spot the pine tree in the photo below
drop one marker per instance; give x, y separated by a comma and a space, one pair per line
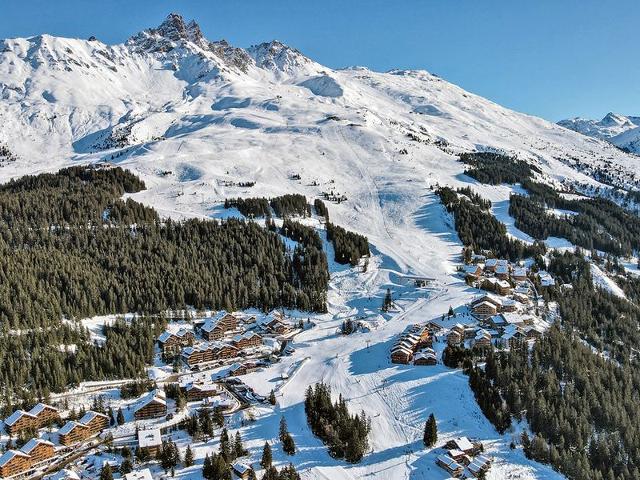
282, 430
272, 397
267, 457
387, 303
252, 474
225, 448
238, 447
120, 417
288, 445
106, 473
430, 431
126, 466
188, 457
289, 473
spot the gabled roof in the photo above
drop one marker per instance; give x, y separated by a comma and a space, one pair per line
155, 396
149, 438
449, 462
241, 468
164, 336
90, 415
38, 408
33, 443
139, 475
463, 443
17, 415
10, 455
69, 426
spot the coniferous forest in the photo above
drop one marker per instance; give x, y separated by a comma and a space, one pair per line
71, 248
345, 434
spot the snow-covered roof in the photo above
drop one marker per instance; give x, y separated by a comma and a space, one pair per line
463, 443
139, 475
149, 438
480, 334
63, 475
33, 443
399, 348
449, 462
68, 427
472, 269
164, 336
38, 408
90, 415
9, 455
155, 396
241, 468
15, 416
503, 284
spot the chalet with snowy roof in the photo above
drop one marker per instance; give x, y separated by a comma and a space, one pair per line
217, 327
14, 463
72, 433
519, 274
200, 391
150, 441
459, 456
94, 421
509, 305
490, 264
465, 445
450, 465
503, 287
18, 421
533, 332
485, 309
425, 357
242, 470
246, 340
479, 465
40, 451
454, 338
482, 339
546, 280
502, 271
519, 297
172, 343
472, 271
519, 319
144, 474
511, 336
153, 406
401, 354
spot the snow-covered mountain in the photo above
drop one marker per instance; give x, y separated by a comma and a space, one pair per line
622, 131
198, 119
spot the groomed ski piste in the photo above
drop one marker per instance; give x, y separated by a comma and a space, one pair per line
191, 123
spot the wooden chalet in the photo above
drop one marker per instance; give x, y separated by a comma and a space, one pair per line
242, 470
479, 465
72, 433
485, 309
472, 271
425, 357
400, 354
502, 271
246, 340
503, 287
150, 441
482, 339
19, 421
94, 421
464, 445
41, 415
172, 343
200, 391
519, 274
217, 327
39, 450
454, 338
13, 463
153, 406
450, 465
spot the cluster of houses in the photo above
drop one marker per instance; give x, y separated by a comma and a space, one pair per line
463, 453
414, 345
221, 337
38, 452
33, 454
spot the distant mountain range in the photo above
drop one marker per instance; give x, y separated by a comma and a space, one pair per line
621, 130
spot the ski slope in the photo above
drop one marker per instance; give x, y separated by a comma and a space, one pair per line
191, 117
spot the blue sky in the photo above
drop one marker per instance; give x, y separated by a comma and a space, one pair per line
552, 58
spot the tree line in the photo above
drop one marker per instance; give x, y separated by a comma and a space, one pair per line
346, 435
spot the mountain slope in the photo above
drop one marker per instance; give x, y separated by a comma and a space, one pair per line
195, 118
622, 131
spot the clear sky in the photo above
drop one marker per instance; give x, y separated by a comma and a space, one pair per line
552, 58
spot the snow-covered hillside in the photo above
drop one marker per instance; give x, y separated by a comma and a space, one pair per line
622, 131
194, 118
